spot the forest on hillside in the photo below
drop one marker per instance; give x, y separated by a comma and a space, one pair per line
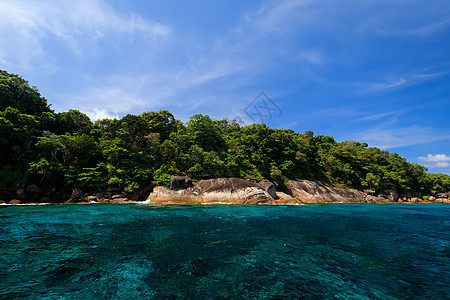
61, 151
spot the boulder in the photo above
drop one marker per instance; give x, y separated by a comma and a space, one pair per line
232, 191
34, 189
369, 192
73, 200
378, 200
270, 188
415, 200
77, 193
308, 191
119, 200
390, 194
140, 194
21, 194
432, 198
283, 198
92, 199
118, 196
219, 190
442, 195
180, 182
15, 201
440, 200
163, 194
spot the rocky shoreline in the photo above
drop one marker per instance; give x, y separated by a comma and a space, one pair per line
242, 191
227, 191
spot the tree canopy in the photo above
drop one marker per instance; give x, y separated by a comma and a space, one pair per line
66, 150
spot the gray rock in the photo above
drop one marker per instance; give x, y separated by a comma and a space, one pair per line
392, 194
308, 191
375, 199
269, 187
34, 189
369, 192
21, 193
415, 200
180, 182
77, 193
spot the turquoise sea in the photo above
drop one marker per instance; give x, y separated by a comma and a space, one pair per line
331, 251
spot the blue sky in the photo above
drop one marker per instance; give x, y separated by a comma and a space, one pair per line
370, 71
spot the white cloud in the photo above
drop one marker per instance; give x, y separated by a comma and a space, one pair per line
98, 114
374, 117
436, 160
443, 164
389, 85
387, 138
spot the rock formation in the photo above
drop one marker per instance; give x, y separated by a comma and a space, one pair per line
307, 191
220, 190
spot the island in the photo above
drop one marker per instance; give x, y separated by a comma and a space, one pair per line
64, 157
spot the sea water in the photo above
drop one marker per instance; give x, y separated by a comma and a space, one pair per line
332, 251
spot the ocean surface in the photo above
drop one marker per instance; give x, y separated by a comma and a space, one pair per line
123, 251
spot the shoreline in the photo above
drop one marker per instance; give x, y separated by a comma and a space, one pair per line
218, 203
234, 191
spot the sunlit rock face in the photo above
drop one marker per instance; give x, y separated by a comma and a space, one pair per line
242, 191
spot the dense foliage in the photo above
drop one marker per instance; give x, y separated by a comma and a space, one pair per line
66, 150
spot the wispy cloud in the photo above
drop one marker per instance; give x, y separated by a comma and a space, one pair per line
273, 15
380, 26
379, 116
402, 81
77, 24
388, 138
436, 160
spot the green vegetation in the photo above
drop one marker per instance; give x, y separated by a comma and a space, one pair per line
66, 150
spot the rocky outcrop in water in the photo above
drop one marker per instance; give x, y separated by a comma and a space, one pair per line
242, 191
220, 190
307, 191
